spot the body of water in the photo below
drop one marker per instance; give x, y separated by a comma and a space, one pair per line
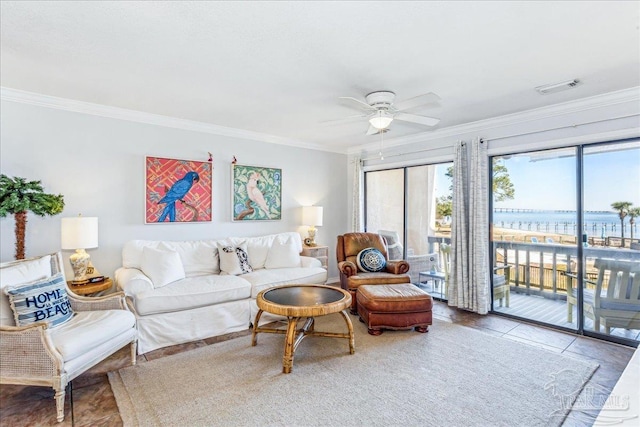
596, 224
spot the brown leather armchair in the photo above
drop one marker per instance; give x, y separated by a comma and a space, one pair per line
348, 248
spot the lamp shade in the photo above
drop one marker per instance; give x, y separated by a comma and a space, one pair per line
312, 215
79, 232
381, 120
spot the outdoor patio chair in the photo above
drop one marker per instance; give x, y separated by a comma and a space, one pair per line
501, 286
54, 353
445, 253
613, 299
417, 263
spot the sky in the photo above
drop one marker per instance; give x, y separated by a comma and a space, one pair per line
550, 183
547, 180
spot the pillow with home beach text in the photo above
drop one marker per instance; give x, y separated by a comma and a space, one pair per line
43, 300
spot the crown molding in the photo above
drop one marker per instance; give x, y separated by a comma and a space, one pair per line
40, 100
580, 105
570, 107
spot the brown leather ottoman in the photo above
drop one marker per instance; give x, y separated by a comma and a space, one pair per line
400, 306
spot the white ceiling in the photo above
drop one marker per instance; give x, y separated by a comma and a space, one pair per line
278, 68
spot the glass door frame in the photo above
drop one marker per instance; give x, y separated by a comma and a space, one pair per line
405, 202
580, 329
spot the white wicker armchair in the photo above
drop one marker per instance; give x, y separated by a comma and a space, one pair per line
42, 356
418, 263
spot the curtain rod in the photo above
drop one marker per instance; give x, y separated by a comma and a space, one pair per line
507, 136
404, 154
561, 127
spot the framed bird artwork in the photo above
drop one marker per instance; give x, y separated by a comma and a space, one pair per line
178, 191
257, 193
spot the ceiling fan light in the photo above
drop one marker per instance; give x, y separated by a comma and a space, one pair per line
381, 121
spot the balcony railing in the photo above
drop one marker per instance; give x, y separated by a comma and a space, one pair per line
540, 268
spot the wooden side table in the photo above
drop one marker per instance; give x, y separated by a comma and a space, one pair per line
91, 288
318, 252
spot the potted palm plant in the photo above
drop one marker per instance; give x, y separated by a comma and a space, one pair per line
19, 196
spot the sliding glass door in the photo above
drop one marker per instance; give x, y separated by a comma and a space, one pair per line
611, 254
429, 226
566, 249
411, 207
535, 235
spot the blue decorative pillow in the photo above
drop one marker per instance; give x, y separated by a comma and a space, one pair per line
43, 300
371, 260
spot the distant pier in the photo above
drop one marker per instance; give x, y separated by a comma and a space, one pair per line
519, 210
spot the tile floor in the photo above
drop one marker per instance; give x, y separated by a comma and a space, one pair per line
92, 403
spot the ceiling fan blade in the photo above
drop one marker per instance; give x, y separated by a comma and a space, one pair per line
375, 131
427, 121
427, 98
361, 104
372, 130
345, 119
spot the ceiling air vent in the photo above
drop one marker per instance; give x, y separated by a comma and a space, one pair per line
557, 87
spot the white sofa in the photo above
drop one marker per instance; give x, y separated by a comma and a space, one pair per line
207, 302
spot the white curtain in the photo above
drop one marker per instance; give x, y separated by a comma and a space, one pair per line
469, 284
358, 196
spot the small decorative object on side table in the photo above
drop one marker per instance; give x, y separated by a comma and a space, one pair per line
318, 252
91, 288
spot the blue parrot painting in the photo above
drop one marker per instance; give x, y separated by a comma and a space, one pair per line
177, 192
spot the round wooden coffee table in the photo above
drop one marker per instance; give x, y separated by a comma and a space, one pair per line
296, 302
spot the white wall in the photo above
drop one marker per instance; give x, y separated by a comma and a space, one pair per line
97, 163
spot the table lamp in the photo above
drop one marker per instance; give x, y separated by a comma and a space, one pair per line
311, 216
80, 233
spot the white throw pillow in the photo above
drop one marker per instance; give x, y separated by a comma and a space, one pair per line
283, 255
199, 258
162, 267
258, 249
234, 259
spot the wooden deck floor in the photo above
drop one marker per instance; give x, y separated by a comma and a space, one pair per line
553, 312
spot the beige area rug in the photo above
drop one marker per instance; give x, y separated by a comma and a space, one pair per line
451, 376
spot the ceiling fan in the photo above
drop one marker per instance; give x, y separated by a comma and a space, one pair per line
380, 110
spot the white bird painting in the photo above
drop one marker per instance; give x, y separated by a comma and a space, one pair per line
255, 194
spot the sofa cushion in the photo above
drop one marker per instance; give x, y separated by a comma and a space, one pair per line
258, 249
199, 257
88, 329
191, 292
268, 278
17, 272
283, 254
234, 259
43, 300
162, 267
